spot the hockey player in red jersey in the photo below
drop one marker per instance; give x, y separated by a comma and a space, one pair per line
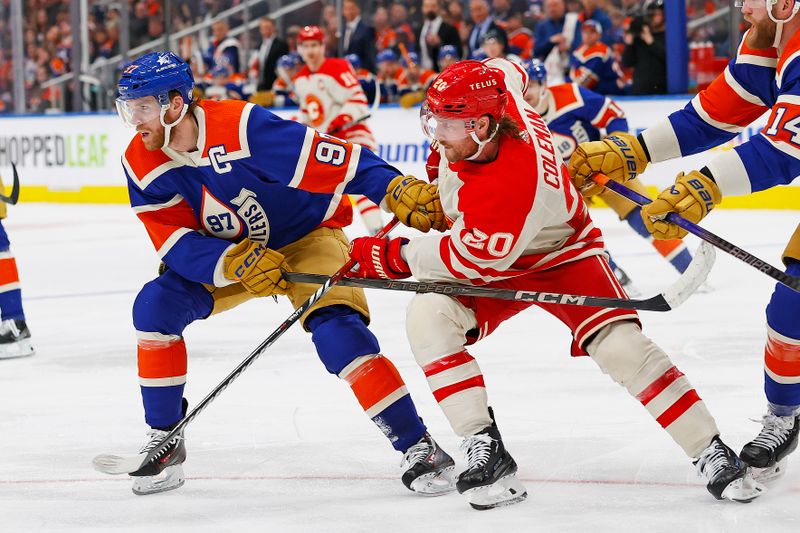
332, 101
231, 195
518, 222
763, 76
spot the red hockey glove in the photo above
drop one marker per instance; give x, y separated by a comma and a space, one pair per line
379, 258
338, 123
432, 165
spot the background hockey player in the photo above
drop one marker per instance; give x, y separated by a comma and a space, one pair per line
230, 194
15, 338
365, 78
764, 75
448, 55
332, 101
517, 222
576, 114
414, 80
389, 72
282, 92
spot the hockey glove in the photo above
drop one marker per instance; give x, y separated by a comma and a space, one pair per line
432, 164
692, 197
379, 257
338, 123
263, 98
416, 203
257, 267
619, 156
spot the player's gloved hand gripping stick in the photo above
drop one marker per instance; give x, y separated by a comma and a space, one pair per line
114, 464
792, 282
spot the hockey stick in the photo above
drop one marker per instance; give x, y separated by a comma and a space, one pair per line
115, 464
793, 282
349, 124
14, 196
671, 298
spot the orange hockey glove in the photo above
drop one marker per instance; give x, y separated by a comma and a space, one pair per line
257, 267
692, 197
416, 203
619, 156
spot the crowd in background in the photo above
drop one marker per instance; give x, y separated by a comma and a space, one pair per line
380, 36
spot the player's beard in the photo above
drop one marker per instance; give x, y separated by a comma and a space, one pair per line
761, 35
155, 140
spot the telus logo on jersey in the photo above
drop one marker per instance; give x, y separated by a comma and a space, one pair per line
253, 215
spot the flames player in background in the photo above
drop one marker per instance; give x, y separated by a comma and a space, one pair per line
230, 195
517, 222
332, 101
15, 338
576, 114
763, 76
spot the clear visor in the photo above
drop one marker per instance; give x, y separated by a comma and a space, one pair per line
749, 3
444, 129
138, 111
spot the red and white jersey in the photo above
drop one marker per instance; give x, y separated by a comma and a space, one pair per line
512, 216
331, 91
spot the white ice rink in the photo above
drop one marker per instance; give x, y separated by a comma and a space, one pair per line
287, 448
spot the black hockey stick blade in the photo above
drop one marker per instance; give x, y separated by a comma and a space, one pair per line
116, 464
671, 298
793, 282
14, 196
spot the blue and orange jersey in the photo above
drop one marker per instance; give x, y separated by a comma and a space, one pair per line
594, 67
754, 82
254, 175
576, 114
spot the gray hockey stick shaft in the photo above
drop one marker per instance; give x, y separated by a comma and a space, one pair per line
111, 464
666, 301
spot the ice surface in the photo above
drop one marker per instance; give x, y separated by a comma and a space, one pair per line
287, 448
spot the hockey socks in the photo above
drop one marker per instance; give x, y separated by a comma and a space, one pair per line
10, 292
673, 250
162, 377
349, 350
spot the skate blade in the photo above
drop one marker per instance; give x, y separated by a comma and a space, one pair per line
770, 474
114, 464
22, 348
435, 483
743, 490
170, 478
505, 491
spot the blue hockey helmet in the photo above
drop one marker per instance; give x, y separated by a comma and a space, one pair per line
536, 71
413, 57
386, 55
354, 60
156, 74
289, 60
448, 50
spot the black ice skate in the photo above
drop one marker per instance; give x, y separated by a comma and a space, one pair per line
428, 468
490, 478
166, 472
726, 474
767, 452
15, 339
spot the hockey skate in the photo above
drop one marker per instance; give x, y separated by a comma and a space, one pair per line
490, 478
429, 470
15, 339
727, 476
767, 453
165, 473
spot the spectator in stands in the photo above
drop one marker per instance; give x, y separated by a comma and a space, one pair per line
482, 22
646, 51
593, 11
493, 45
553, 39
358, 38
520, 38
398, 16
434, 34
272, 47
139, 24
223, 50
291, 37
385, 36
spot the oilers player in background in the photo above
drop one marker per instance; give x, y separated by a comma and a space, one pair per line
15, 338
365, 78
575, 114
230, 195
448, 54
763, 76
332, 101
518, 223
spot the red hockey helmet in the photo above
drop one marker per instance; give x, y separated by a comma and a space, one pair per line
461, 94
310, 33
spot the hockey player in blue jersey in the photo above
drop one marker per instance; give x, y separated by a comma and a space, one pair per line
228, 207
15, 338
576, 114
763, 76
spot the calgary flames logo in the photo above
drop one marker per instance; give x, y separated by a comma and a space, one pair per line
315, 110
